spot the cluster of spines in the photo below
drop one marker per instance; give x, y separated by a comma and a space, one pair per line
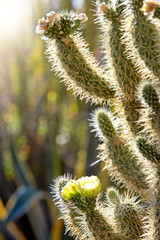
130, 27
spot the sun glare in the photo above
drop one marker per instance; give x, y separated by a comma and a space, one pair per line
12, 15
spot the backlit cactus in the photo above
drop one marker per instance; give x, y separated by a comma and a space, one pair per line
127, 87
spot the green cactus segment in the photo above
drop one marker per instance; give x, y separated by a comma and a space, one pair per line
105, 125
127, 214
128, 217
149, 117
127, 75
146, 36
99, 227
125, 164
83, 75
151, 154
113, 196
151, 97
72, 60
75, 224
96, 222
148, 150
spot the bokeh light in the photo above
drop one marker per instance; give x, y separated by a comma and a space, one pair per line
13, 14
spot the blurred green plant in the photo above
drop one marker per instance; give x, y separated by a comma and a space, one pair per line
43, 129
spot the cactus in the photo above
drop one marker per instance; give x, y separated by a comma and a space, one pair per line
126, 89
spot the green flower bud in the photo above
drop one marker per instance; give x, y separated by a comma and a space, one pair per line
113, 196
70, 190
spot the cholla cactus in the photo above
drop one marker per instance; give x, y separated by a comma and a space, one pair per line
127, 87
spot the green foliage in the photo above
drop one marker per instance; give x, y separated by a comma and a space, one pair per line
128, 85
26, 200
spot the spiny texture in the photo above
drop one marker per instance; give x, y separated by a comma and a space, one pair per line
127, 213
128, 85
148, 150
71, 58
81, 198
146, 34
127, 72
150, 113
122, 163
151, 97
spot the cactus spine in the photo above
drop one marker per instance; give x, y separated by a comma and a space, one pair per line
128, 85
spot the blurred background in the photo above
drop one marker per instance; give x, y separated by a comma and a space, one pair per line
44, 130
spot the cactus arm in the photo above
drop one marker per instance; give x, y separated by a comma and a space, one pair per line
71, 58
86, 77
125, 75
150, 119
128, 215
150, 96
148, 150
146, 37
149, 114
120, 161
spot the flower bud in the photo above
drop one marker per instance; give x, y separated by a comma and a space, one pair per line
89, 186
70, 190
113, 196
